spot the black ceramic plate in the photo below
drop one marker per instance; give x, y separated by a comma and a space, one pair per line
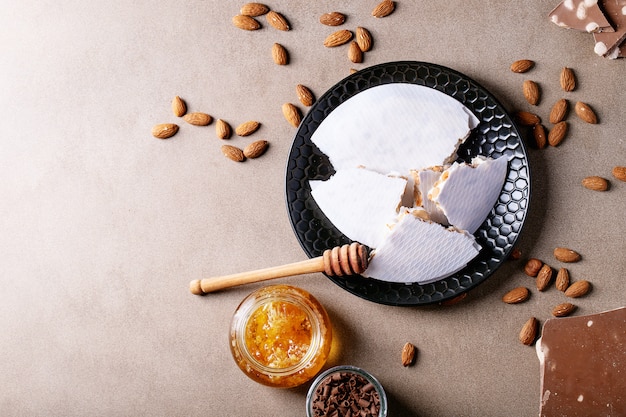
496, 135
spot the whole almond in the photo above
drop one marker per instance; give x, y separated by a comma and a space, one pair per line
595, 183
408, 354
578, 289
528, 334
526, 118
254, 9
619, 172
363, 38
337, 38
233, 153
454, 300
532, 267
198, 119
585, 113
566, 255
332, 19
292, 114
277, 20
531, 92
539, 133
563, 309
567, 79
279, 54
562, 279
246, 22
559, 111
384, 8
305, 95
247, 128
354, 53
558, 133
255, 149
522, 65
179, 108
544, 277
516, 295
164, 130
222, 129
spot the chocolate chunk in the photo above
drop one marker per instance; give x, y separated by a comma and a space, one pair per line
344, 394
606, 41
580, 15
583, 365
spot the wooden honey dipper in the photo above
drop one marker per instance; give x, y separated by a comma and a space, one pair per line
341, 260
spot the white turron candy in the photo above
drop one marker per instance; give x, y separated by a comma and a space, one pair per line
421, 251
360, 203
394, 128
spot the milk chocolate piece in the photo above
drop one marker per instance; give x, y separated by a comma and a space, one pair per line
606, 41
583, 15
583, 365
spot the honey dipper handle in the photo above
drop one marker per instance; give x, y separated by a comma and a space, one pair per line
207, 285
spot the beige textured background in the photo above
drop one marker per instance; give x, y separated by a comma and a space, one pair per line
102, 226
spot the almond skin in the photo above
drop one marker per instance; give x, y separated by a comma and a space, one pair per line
539, 133
408, 354
247, 128
337, 38
544, 277
179, 108
558, 133
222, 129
567, 79
292, 114
563, 309
254, 9
198, 119
354, 53
595, 183
522, 65
516, 295
255, 149
164, 130
305, 95
532, 267
526, 118
246, 22
363, 38
585, 113
528, 334
277, 21
279, 54
619, 172
559, 111
566, 255
383, 9
562, 279
233, 153
578, 289
332, 19
531, 92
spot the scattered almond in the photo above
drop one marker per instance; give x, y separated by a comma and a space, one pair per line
563, 309
222, 129
255, 149
179, 108
544, 277
354, 53
526, 118
408, 354
522, 65
233, 153
562, 279
566, 255
454, 300
531, 92
337, 38
164, 130
363, 38
292, 114
384, 8
516, 295
539, 133
558, 133
528, 334
567, 79
532, 267
332, 19
559, 111
247, 128
585, 113
254, 9
277, 20
279, 54
305, 95
198, 119
246, 22
595, 183
619, 172
578, 289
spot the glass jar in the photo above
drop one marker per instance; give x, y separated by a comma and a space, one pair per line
344, 388
280, 336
